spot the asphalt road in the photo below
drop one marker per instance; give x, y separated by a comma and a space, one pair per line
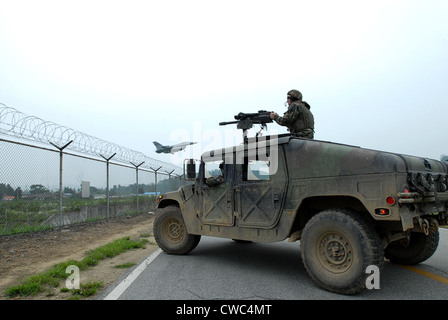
223, 269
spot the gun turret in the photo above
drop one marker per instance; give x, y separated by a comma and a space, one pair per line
246, 121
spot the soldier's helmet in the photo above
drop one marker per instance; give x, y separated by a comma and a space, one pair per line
295, 94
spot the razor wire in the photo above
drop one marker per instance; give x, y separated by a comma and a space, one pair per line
19, 125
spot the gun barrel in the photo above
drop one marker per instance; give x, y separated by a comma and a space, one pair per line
247, 120
228, 122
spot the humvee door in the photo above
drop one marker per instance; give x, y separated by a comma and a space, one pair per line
260, 186
217, 194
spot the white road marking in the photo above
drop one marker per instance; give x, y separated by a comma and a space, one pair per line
118, 291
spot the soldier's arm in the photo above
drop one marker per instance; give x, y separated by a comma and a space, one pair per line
212, 181
285, 120
289, 117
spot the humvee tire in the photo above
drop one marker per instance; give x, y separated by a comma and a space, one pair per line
171, 233
419, 248
337, 246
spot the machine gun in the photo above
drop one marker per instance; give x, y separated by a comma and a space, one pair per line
246, 121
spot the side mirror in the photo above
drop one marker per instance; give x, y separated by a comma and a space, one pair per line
191, 169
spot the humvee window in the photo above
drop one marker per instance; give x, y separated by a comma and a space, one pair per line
211, 169
257, 170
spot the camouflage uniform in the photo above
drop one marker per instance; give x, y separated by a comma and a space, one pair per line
298, 118
212, 181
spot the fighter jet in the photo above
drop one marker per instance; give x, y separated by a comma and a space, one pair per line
172, 149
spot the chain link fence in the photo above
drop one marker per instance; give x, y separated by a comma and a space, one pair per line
50, 186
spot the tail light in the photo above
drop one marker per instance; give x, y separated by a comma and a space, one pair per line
390, 200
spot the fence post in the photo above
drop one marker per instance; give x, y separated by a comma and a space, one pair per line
169, 179
136, 179
107, 178
60, 178
155, 178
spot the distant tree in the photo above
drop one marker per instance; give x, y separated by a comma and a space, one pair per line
38, 189
69, 190
6, 190
18, 193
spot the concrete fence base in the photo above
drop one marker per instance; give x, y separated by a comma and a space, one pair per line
94, 213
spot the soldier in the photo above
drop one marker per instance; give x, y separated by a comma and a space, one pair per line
298, 118
214, 181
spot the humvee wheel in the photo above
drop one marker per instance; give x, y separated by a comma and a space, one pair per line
419, 248
337, 246
171, 233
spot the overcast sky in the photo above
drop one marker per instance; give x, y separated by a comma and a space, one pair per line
130, 72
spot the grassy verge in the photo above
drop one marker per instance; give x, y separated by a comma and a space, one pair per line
52, 277
84, 291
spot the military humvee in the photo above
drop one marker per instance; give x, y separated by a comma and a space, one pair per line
350, 207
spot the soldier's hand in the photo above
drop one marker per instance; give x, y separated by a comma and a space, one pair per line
272, 115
